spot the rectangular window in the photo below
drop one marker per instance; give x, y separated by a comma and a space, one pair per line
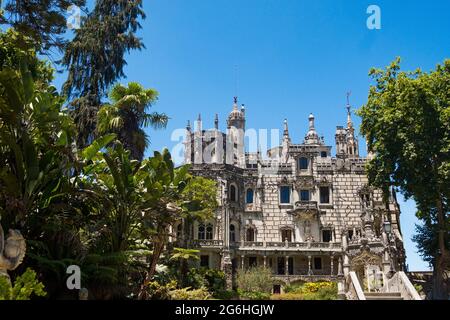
318, 263
304, 195
204, 261
286, 235
326, 235
285, 194
323, 154
324, 195
252, 262
303, 163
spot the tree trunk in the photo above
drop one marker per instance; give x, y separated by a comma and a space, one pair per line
157, 250
441, 261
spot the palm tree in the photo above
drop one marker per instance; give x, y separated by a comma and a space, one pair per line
127, 117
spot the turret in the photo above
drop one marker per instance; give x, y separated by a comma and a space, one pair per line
236, 135
312, 137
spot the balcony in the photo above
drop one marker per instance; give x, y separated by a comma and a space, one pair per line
290, 246
208, 243
305, 205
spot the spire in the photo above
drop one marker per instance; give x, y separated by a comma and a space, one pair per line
311, 121
286, 130
349, 114
199, 123
188, 126
312, 137
216, 122
235, 103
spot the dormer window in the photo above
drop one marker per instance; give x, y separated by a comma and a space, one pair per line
303, 163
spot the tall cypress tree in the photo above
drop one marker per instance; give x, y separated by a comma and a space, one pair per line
95, 58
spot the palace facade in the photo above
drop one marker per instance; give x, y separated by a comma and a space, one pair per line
303, 212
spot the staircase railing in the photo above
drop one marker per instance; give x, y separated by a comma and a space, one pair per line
354, 289
400, 283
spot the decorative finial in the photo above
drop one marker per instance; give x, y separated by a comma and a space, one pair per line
188, 126
199, 117
216, 122
235, 100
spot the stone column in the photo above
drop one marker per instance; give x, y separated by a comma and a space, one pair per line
286, 271
340, 273
309, 266
265, 261
332, 264
242, 261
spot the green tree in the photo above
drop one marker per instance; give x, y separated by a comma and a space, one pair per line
168, 202
43, 21
406, 122
127, 116
95, 58
255, 283
183, 257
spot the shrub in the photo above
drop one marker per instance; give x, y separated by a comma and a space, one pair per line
255, 283
189, 294
213, 280
253, 295
287, 296
158, 291
320, 291
24, 287
226, 295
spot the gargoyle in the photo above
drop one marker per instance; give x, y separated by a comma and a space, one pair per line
12, 251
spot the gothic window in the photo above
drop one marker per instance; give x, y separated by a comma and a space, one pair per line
318, 263
285, 194
304, 195
209, 231
232, 233
324, 194
303, 163
326, 235
250, 234
286, 235
233, 193
323, 154
249, 197
204, 261
201, 232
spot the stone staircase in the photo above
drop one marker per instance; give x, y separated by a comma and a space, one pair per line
383, 296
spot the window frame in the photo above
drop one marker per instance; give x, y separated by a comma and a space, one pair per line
328, 196
301, 194
289, 188
301, 163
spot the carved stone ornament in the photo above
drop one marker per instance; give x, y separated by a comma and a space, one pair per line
12, 251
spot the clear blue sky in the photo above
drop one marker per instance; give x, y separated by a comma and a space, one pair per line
293, 56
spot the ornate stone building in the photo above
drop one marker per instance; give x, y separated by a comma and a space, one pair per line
302, 212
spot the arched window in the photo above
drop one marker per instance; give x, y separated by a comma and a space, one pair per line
303, 163
251, 234
233, 193
209, 231
232, 233
249, 197
201, 231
